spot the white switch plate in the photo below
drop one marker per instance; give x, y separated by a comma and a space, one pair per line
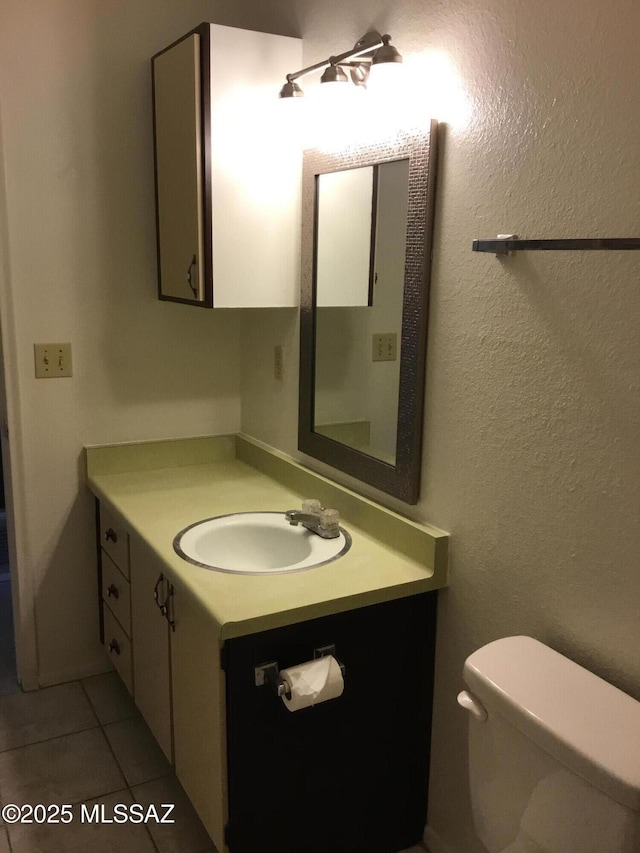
52, 360
384, 347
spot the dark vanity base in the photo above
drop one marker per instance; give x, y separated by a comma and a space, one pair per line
349, 774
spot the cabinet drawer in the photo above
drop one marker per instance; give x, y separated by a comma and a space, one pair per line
116, 592
118, 646
114, 540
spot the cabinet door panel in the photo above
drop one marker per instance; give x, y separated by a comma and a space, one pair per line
178, 129
198, 713
360, 761
151, 655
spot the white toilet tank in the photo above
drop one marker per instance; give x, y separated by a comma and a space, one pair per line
554, 753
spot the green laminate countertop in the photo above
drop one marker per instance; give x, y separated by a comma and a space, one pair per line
159, 488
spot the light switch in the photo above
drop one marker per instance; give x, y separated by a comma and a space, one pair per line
52, 360
385, 347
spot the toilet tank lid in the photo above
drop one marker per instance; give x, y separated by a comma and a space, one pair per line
581, 720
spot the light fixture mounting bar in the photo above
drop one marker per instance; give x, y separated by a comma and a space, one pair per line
369, 42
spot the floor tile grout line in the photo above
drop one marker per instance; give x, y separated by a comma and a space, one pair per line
118, 790
121, 769
146, 826
72, 802
96, 725
154, 779
128, 785
49, 739
7, 836
115, 757
121, 787
88, 698
129, 716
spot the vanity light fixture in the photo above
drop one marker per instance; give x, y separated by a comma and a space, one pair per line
372, 52
334, 74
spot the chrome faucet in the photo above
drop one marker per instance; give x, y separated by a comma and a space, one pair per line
317, 519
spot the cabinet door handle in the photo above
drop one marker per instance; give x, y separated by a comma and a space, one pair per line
112, 591
190, 270
164, 599
114, 647
168, 612
162, 604
110, 534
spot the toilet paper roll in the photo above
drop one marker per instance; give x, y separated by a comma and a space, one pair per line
312, 682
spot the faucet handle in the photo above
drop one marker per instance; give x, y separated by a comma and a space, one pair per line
311, 505
329, 519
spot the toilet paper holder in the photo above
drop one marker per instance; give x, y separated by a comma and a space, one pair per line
269, 673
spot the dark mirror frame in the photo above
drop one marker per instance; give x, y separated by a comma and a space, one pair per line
402, 479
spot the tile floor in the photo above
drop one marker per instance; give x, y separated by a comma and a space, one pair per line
85, 744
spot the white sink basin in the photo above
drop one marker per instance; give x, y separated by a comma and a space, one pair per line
257, 543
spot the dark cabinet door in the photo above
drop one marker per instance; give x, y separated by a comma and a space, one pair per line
346, 775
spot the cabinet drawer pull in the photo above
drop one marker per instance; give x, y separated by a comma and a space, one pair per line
114, 647
112, 591
111, 535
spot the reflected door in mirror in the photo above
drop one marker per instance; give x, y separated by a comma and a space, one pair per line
361, 227
345, 237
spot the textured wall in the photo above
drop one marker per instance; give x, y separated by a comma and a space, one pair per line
531, 458
531, 455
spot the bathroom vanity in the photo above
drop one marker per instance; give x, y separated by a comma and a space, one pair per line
349, 773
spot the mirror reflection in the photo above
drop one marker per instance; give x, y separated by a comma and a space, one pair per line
367, 225
361, 234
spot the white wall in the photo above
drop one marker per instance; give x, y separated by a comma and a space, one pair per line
343, 365
531, 455
75, 97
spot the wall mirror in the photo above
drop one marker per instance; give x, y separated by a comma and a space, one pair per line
367, 221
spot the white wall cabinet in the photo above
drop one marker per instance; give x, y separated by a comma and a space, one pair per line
227, 170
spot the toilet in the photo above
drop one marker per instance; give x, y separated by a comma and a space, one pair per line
554, 753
